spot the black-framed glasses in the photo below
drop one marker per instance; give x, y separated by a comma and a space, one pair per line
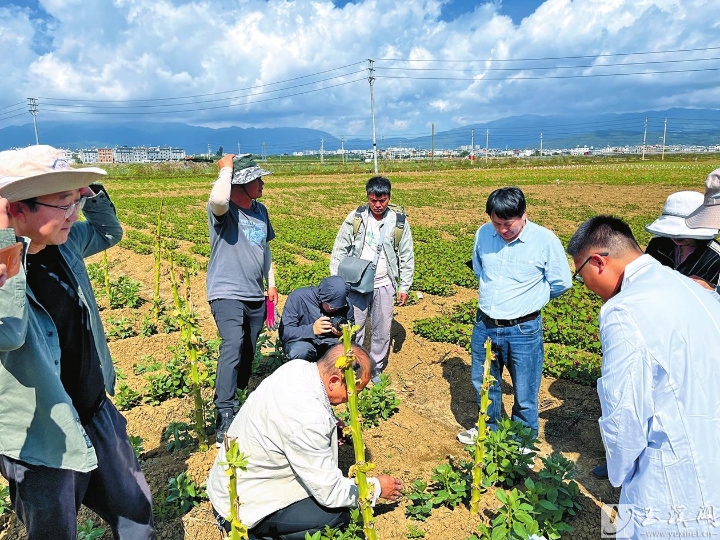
69, 209
576, 276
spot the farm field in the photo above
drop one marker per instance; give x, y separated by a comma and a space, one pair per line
429, 364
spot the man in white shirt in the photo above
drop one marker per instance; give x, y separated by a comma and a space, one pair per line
288, 431
660, 335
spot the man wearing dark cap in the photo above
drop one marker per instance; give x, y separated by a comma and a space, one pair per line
311, 319
238, 276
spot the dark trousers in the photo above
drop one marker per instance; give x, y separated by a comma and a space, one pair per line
239, 324
47, 500
292, 522
305, 350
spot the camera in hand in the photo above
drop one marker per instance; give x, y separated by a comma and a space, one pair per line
337, 321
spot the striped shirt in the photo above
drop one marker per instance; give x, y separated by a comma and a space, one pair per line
704, 262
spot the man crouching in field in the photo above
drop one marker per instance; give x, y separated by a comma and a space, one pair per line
62, 442
660, 335
288, 432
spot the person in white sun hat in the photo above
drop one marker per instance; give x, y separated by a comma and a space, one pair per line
62, 442
693, 252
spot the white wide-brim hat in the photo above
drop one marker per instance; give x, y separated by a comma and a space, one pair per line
671, 223
708, 215
41, 170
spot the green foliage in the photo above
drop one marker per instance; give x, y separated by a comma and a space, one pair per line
413, 531
421, 505
120, 328
375, 403
124, 292
268, 354
148, 327
147, 364
180, 495
137, 443
178, 436
88, 531
450, 486
126, 398
172, 382
505, 462
5, 505
95, 273
570, 330
354, 530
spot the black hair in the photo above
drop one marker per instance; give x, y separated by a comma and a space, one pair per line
378, 186
31, 203
506, 203
605, 233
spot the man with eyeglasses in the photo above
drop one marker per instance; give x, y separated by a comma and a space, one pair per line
660, 334
62, 442
520, 266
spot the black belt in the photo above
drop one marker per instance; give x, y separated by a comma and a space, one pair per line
509, 322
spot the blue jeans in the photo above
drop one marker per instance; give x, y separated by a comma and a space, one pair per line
520, 349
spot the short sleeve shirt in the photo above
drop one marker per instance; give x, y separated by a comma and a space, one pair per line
238, 241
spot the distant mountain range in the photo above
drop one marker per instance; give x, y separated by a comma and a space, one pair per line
681, 126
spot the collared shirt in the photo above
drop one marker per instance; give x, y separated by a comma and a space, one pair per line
288, 431
660, 419
519, 277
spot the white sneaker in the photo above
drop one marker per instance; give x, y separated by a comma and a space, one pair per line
468, 436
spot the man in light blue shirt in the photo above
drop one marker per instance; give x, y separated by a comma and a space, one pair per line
520, 266
660, 334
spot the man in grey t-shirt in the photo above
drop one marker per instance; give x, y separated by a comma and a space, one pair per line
240, 266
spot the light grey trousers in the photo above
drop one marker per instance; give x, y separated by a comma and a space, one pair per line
379, 306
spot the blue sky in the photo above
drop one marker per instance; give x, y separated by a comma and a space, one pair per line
274, 63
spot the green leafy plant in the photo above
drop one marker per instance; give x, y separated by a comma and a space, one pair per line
352, 532
421, 504
124, 292
479, 451
235, 461
88, 531
178, 436
126, 398
148, 327
5, 505
505, 461
450, 486
182, 494
136, 441
120, 328
413, 531
375, 403
147, 364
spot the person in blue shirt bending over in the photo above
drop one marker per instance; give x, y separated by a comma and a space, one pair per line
520, 266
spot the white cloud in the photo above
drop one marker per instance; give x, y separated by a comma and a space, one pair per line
237, 59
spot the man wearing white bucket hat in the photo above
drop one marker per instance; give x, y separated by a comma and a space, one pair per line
693, 252
62, 442
240, 268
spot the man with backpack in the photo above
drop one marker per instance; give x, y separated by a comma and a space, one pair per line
379, 233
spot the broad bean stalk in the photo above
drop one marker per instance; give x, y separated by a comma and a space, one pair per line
234, 460
477, 470
361, 467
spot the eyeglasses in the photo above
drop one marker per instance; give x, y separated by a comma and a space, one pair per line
576, 276
69, 209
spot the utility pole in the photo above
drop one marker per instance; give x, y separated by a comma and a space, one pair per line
208, 150
432, 147
34, 110
541, 144
371, 80
472, 146
644, 138
264, 155
664, 132
238, 148
322, 151
487, 141
342, 147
